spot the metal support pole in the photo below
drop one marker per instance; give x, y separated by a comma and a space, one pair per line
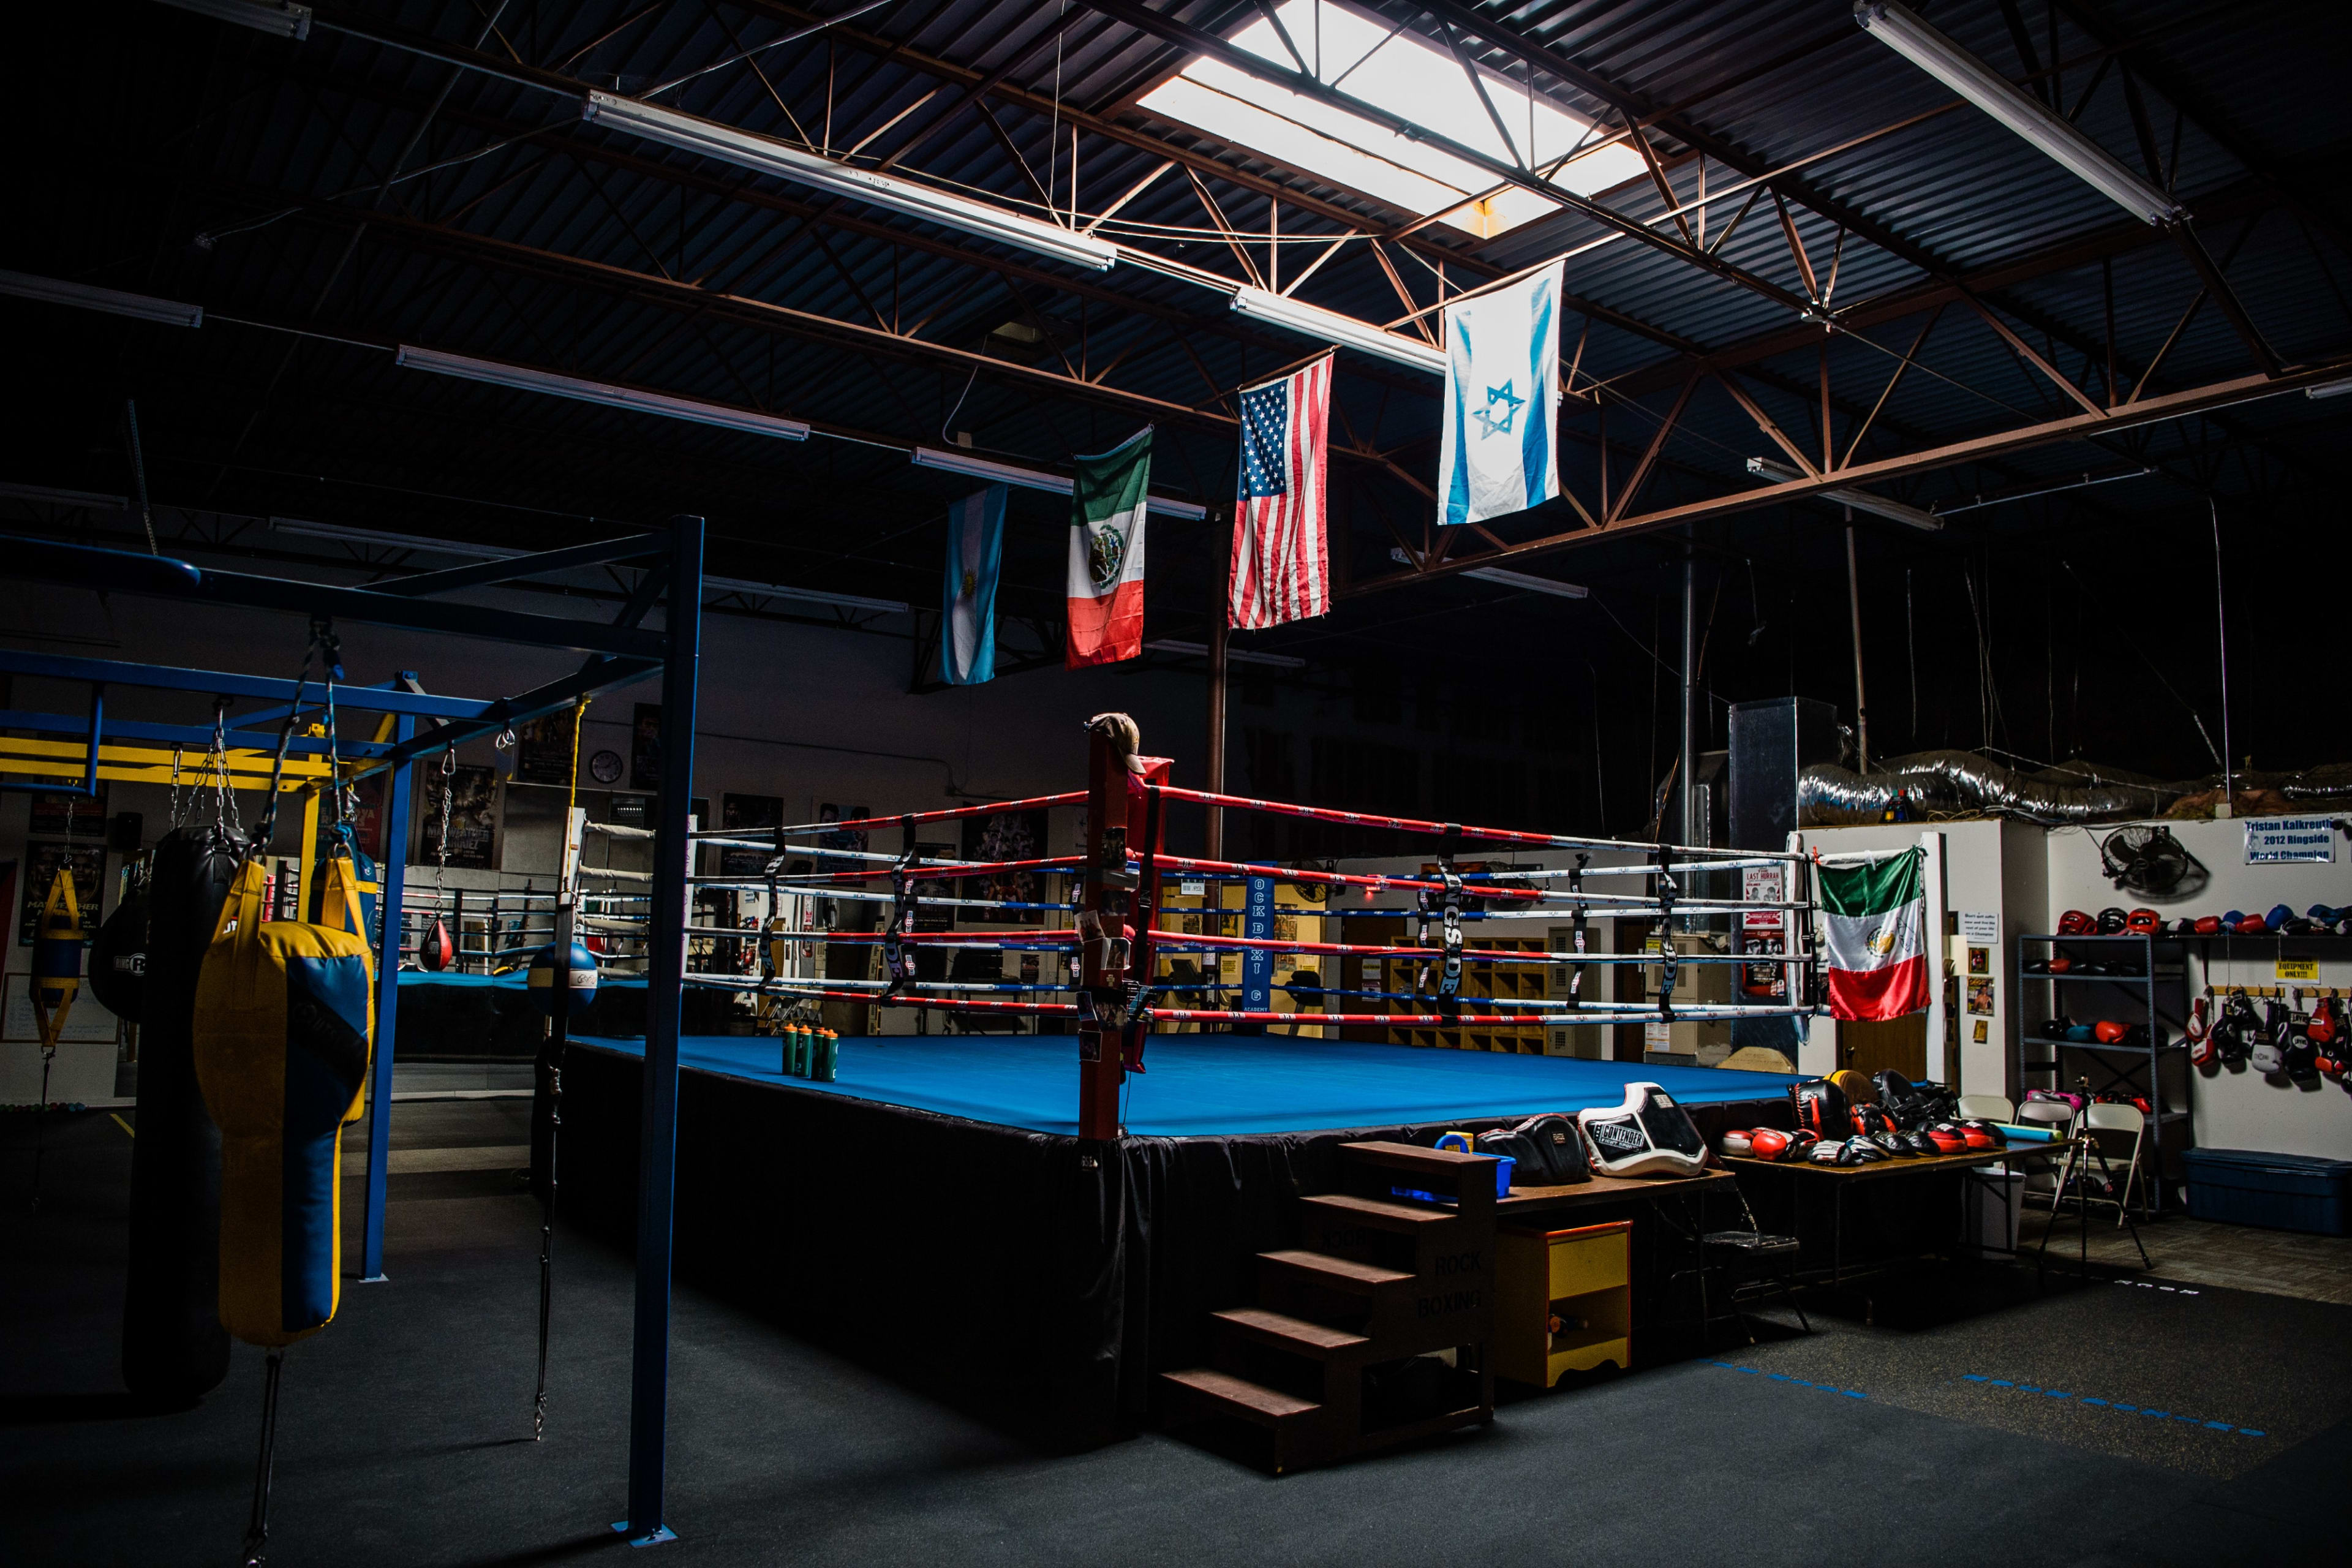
559, 1025
1218, 616
666, 968
1853, 604
2221, 642
391, 883
1687, 828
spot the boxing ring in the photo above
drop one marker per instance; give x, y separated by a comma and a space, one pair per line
1213, 1085
1034, 1224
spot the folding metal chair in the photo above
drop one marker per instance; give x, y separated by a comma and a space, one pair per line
2118, 1119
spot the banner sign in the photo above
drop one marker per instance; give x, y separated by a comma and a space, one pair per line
2279, 840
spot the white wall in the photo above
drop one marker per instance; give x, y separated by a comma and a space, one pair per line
2235, 1108
2030, 876
1975, 870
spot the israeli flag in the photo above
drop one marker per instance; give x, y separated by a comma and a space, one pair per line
1502, 387
968, 626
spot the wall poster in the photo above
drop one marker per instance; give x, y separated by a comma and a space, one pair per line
43, 858
644, 747
543, 749
1980, 997
473, 796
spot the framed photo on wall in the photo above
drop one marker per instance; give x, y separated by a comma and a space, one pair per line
1005, 835
68, 815
750, 813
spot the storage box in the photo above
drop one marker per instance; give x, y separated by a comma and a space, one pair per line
2284, 1191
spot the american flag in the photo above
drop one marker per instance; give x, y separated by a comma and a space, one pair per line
1280, 569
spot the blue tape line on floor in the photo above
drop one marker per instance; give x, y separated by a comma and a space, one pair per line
1784, 1377
2114, 1404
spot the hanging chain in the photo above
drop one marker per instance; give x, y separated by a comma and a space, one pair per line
345, 798
176, 786
441, 850
223, 797
265, 831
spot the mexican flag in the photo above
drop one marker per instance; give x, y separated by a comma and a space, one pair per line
1874, 916
1106, 579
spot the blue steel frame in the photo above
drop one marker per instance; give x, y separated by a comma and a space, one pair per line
621, 653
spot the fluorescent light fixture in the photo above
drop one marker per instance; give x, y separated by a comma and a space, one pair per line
525, 379
1524, 581
275, 17
1315, 322
1376, 62
1861, 500
345, 535
948, 460
114, 301
766, 155
1233, 655
1903, 30
1532, 584
2329, 388
807, 596
53, 497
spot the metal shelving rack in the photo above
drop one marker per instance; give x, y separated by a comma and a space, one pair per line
2162, 963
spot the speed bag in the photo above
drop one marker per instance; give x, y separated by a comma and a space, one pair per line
283, 1026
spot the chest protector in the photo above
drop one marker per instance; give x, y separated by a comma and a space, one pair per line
284, 1023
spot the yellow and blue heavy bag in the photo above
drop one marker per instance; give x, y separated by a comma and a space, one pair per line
57, 959
284, 1024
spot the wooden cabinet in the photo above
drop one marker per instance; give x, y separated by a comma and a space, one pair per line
1563, 1301
1482, 980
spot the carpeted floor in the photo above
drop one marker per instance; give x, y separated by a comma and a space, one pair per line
2197, 1252
406, 1427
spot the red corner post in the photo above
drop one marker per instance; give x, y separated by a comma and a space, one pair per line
1110, 917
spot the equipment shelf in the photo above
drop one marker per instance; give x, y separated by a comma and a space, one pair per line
2160, 962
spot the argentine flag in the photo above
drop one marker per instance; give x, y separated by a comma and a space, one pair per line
1502, 386
968, 617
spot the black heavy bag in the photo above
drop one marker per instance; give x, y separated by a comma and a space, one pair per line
117, 960
173, 1347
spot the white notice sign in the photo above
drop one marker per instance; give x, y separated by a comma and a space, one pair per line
2275, 840
1981, 929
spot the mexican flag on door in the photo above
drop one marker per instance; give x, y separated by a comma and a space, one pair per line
1873, 918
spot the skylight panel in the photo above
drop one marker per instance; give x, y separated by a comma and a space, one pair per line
1408, 77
